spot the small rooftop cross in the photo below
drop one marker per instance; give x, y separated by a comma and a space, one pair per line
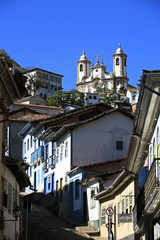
97, 56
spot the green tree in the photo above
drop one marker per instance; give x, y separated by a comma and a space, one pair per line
4, 54
108, 99
62, 97
19, 78
34, 81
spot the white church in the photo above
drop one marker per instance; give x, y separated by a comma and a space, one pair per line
89, 78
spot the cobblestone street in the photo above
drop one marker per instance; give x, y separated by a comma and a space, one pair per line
43, 225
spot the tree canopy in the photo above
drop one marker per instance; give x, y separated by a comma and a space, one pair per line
62, 97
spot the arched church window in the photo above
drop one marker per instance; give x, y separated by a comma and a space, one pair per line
117, 61
125, 62
81, 67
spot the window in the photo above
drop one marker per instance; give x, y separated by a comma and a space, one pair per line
27, 144
9, 204
81, 67
96, 70
103, 216
154, 149
125, 62
55, 79
127, 210
24, 147
30, 171
119, 145
14, 199
52, 87
117, 61
31, 141
123, 206
57, 189
49, 183
77, 189
55, 88
133, 96
45, 96
130, 202
61, 152
95, 97
57, 154
39, 142
5, 194
59, 80
66, 149
118, 208
47, 151
93, 202
90, 97
151, 156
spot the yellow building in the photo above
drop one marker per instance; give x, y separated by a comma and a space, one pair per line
117, 200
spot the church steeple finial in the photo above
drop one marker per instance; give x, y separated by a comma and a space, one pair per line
83, 51
119, 45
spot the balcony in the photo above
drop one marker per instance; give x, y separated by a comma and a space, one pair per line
51, 161
138, 212
152, 187
45, 166
37, 154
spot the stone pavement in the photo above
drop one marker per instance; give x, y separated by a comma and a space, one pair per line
43, 225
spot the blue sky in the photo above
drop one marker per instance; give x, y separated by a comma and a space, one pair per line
51, 34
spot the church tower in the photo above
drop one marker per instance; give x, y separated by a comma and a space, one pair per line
83, 68
120, 68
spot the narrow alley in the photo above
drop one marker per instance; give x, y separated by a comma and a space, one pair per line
43, 225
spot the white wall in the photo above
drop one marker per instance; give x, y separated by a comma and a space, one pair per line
96, 141
63, 166
93, 211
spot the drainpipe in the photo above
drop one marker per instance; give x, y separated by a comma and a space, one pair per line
71, 147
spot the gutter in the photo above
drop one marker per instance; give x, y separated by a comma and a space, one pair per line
116, 185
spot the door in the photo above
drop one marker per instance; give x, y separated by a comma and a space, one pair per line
61, 189
85, 207
53, 184
35, 180
45, 186
71, 196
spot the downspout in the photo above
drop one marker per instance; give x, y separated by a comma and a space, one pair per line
71, 147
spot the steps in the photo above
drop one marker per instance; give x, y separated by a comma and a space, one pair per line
88, 231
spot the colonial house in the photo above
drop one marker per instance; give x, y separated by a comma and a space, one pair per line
90, 138
85, 182
8, 94
144, 151
116, 202
51, 82
15, 179
44, 149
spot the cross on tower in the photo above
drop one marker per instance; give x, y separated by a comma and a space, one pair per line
97, 56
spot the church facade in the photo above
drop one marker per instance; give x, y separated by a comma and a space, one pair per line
90, 79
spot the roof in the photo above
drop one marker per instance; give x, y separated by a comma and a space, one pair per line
147, 113
17, 170
39, 69
34, 105
89, 167
30, 117
65, 124
8, 87
29, 98
122, 178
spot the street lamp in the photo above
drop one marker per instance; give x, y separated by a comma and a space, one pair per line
16, 211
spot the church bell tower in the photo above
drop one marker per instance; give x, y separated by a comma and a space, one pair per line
83, 68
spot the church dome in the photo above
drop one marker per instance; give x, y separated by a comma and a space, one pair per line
119, 50
83, 57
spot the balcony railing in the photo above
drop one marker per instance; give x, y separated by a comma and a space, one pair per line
152, 180
38, 153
